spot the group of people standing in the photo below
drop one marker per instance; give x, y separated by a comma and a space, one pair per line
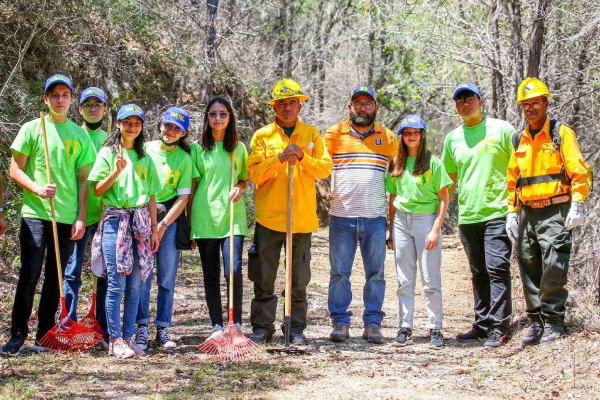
135, 199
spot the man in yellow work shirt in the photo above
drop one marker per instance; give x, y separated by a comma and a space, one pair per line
287, 139
547, 184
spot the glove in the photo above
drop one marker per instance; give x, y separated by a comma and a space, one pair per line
512, 226
575, 216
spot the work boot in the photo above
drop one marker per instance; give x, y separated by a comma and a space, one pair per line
471, 336
297, 337
404, 338
495, 339
551, 333
340, 333
533, 336
373, 334
261, 336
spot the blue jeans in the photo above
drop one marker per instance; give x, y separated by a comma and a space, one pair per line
118, 285
167, 262
344, 236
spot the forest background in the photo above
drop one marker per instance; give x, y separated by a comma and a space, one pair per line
163, 53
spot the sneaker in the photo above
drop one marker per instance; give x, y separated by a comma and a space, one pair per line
133, 346
216, 330
119, 348
437, 339
38, 347
261, 336
141, 337
12, 347
372, 334
164, 338
495, 339
404, 338
104, 344
239, 328
473, 335
297, 338
533, 336
340, 333
551, 333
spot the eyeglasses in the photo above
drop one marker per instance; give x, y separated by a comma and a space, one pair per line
411, 133
214, 115
92, 106
468, 100
367, 106
536, 105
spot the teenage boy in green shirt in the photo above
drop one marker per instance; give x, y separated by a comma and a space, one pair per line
70, 156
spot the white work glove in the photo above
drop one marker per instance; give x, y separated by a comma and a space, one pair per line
512, 226
575, 217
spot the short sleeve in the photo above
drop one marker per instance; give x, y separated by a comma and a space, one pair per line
88, 153
101, 168
244, 161
185, 181
389, 184
23, 143
447, 156
196, 161
440, 176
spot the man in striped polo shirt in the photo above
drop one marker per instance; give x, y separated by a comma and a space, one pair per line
361, 150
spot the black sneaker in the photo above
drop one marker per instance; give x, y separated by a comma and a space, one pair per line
533, 336
261, 336
471, 336
340, 333
297, 338
437, 339
404, 338
372, 334
12, 347
495, 339
551, 333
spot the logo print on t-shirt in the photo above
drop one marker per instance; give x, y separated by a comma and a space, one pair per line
425, 178
378, 142
142, 172
486, 146
71, 147
172, 177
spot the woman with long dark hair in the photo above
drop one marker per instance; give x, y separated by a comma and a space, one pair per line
210, 206
418, 186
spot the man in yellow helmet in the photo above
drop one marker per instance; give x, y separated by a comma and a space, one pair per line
547, 184
286, 140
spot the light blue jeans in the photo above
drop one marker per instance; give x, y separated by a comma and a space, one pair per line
118, 285
72, 279
345, 234
409, 234
167, 262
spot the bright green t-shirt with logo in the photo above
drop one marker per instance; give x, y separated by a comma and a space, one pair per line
210, 207
479, 155
174, 170
69, 148
93, 208
418, 194
135, 184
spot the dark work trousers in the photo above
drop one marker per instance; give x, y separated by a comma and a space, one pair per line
210, 251
488, 249
37, 240
262, 270
544, 250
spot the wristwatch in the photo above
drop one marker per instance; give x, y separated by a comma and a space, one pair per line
163, 223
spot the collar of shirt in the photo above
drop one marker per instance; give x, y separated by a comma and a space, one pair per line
362, 136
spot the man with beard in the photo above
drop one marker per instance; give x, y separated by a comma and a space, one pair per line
361, 150
547, 185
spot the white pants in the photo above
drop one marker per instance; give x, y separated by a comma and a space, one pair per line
409, 233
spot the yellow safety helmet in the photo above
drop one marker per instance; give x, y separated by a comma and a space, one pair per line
286, 89
530, 88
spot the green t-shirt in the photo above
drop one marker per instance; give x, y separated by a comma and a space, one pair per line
210, 207
480, 155
69, 148
134, 186
418, 194
93, 208
174, 170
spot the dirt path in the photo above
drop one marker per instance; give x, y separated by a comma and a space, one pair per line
352, 370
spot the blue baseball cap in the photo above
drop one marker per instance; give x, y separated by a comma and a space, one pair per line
57, 79
412, 121
130, 110
369, 91
465, 87
93, 92
178, 117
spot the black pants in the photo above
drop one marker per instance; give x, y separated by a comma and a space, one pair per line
210, 250
37, 240
262, 270
488, 249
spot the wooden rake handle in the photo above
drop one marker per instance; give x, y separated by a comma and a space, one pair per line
231, 238
288, 243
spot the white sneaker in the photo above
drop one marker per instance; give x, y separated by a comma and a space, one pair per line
119, 348
133, 346
141, 337
216, 330
164, 338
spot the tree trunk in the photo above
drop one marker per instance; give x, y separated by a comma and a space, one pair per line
211, 40
537, 38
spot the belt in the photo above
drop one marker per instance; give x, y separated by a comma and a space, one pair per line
565, 198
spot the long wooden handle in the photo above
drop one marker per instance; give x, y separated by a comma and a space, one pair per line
53, 215
108, 124
288, 243
231, 211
